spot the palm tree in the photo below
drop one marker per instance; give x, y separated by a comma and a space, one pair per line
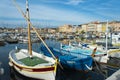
82, 35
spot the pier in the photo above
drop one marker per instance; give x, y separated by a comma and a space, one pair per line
115, 76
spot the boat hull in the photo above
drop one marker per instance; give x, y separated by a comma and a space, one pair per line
82, 62
47, 72
42, 75
101, 57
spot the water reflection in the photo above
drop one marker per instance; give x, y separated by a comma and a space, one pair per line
66, 74
61, 75
14, 75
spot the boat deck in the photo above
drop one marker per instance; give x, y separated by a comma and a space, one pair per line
22, 57
33, 61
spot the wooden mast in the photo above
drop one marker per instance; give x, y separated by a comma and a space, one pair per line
28, 22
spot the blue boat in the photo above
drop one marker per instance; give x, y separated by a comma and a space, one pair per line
99, 56
74, 61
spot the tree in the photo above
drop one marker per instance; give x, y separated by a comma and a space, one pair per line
82, 32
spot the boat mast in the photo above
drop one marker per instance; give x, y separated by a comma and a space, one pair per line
28, 22
106, 37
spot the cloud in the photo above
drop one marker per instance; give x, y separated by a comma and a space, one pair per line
52, 1
61, 14
74, 2
68, 2
42, 12
49, 13
8, 10
104, 9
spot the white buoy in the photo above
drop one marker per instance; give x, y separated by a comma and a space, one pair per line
16, 47
1, 71
69, 43
61, 45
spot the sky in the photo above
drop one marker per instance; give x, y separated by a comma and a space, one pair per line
60, 12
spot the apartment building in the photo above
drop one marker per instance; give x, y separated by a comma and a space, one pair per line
84, 27
52, 30
115, 26
65, 28
101, 27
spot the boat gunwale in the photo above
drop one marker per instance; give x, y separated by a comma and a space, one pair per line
29, 67
77, 48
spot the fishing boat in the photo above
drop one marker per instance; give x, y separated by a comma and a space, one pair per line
99, 56
24, 38
72, 61
30, 63
11, 40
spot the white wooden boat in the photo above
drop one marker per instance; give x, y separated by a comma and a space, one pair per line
30, 63
45, 69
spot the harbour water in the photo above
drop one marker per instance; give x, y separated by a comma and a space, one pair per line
66, 74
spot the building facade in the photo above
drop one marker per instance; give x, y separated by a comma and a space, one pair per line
65, 28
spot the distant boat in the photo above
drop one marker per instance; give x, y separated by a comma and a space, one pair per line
30, 63
2, 42
24, 39
11, 41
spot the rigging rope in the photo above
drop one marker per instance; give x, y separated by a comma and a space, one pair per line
19, 9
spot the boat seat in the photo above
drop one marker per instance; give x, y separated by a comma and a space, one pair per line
21, 55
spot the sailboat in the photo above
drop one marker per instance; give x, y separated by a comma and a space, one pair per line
30, 63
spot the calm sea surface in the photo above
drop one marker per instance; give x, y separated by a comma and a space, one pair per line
66, 74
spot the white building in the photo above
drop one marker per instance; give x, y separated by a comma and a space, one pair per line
115, 38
